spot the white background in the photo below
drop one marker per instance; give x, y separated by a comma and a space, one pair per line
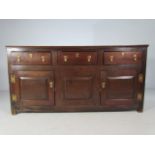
77, 32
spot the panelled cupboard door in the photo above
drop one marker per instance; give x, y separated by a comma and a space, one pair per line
77, 87
119, 88
34, 88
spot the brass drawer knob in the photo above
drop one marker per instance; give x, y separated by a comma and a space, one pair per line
135, 57
103, 85
51, 84
43, 59
65, 58
18, 58
111, 58
89, 58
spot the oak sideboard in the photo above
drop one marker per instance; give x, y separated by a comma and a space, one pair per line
76, 78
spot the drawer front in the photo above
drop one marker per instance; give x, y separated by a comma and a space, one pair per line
31, 58
77, 58
122, 57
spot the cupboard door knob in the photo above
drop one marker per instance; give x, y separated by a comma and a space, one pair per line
51, 84
65, 58
18, 58
111, 58
103, 84
89, 58
42, 58
135, 57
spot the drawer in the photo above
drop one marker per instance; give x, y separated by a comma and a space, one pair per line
122, 58
31, 58
77, 58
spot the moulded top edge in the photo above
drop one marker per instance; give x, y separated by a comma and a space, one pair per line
97, 46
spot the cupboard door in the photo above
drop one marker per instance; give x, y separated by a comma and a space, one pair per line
77, 87
119, 88
34, 88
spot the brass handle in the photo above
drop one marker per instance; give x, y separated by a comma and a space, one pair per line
89, 58
51, 84
14, 98
42, 58
13, 78
65, 58
18, 58
111, 58
30, 55
103, 84
135, 57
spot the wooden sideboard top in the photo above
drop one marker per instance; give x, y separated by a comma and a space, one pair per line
95, 46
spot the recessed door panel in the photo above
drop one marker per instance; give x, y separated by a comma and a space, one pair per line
120, 88
35, 88
77, 87
39, 91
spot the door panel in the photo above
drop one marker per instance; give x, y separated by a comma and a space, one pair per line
34, 88
77, 87
120, 88
39, 91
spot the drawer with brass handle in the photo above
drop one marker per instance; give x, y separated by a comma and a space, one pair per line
77, 58
122, 58
31, 58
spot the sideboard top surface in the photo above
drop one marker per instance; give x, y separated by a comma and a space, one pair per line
80, 48
94, 46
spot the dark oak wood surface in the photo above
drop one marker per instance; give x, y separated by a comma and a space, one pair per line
76, 78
